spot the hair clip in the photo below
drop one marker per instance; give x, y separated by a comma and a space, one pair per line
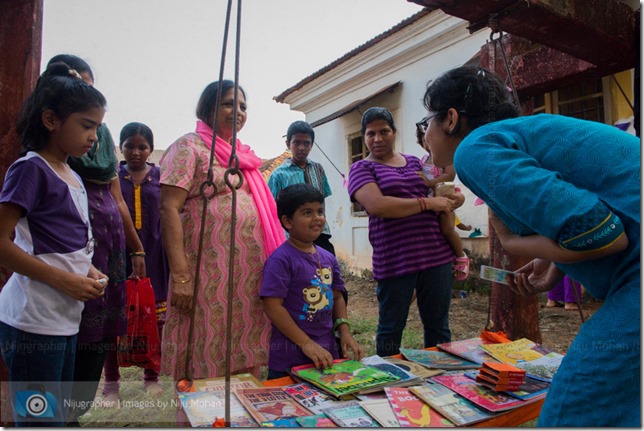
75, 74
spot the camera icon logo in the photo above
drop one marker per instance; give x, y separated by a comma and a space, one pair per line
35, 404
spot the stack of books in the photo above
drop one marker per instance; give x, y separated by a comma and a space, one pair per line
500, 377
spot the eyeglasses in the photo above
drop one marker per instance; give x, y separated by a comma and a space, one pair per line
423, 124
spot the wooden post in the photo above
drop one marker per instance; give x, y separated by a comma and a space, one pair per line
517, 316
20, 45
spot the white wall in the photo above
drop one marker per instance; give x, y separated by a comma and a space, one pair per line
414, 56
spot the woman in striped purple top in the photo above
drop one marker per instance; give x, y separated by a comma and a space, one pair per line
409, 251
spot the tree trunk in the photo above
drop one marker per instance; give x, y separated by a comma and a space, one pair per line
20, 45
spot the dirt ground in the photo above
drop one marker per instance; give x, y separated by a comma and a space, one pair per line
468, 315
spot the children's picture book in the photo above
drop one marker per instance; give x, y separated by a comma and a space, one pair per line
244, 380
516, 351
530, 389
345, 376
411, 412
496, 275
454, 407
544, 367
203, 408
406, 378
381, 411
479, 395
414, 368
316, 421
469, 349
313, 399
437, 359
351, 415
373, 396
269, 404
281, 423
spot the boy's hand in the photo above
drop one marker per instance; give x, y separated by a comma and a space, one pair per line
320, 356
348, 342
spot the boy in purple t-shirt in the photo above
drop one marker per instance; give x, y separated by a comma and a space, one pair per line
302, 289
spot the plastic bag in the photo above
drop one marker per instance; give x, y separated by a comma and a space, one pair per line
140, 347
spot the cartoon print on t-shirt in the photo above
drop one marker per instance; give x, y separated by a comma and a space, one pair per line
319, 295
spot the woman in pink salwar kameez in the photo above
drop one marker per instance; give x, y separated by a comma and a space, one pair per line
184, 167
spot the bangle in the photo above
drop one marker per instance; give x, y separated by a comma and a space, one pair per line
181, 281
339, 322
305, 341
137, 254
423, 205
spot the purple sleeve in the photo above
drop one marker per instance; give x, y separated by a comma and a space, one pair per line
21, 185
359, 175
276, 276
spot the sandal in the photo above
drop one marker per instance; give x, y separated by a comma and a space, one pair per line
461, 268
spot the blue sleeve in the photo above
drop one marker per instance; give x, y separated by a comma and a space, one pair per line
274, 184
325, 184
529, 198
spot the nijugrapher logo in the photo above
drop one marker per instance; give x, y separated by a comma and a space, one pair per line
35, 404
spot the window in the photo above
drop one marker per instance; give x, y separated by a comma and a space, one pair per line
584, 100
358, 151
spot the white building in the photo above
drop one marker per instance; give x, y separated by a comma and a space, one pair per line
391, 70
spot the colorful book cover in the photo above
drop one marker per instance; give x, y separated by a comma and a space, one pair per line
381, 411
270, 404
406, 378
414, 368
479, 395
531, 388
515, 351
202, 408
311, 398
244, 380
346, 376
351, 415
281, 423
544, 367
316, 421
435, 359
412, 412
469, 349
454, 407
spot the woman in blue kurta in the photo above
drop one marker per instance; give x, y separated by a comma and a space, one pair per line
567, 193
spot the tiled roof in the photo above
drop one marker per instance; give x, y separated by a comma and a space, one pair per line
269, 165
404, 23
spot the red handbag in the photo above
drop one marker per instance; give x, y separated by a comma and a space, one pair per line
140, 347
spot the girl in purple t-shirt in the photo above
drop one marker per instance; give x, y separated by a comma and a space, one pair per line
44, 204
302, 289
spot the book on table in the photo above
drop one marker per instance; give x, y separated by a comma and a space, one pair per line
316, 421
515, 351
313, 399
453, 406
381, 411
544, 367
351, 415
480, 395
437, 359
531, 388
269, 404
203, 408
411, 412
500, 376
406, 378
414, 368
281, 423
345, 376
469, 349
244, 380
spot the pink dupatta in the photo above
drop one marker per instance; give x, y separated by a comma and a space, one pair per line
249, 164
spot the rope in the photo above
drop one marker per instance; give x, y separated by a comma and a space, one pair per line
330, 161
